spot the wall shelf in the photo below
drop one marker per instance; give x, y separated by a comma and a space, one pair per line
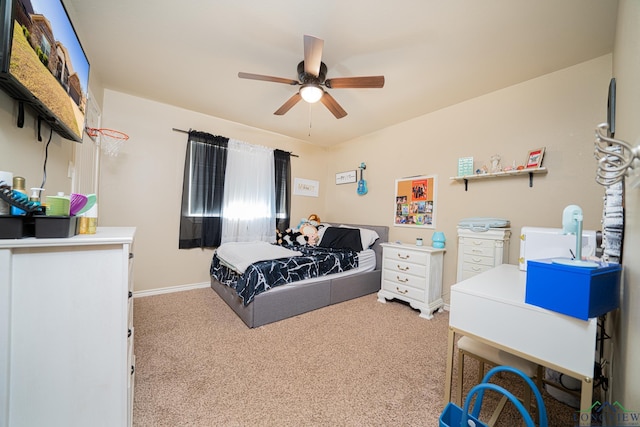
529, 171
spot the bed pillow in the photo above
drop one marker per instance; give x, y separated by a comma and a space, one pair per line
368, 236
322, 227
341, 238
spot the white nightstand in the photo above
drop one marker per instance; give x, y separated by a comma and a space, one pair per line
480, 251
412, 274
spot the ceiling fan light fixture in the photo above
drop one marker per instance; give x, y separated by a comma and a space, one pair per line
311, 93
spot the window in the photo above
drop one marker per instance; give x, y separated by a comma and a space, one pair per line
226, 199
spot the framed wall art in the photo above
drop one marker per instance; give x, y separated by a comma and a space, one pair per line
534, 160
305, 187
347, 177
415, 202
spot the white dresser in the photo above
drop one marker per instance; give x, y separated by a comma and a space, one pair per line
480, 251
66, 330
412, 274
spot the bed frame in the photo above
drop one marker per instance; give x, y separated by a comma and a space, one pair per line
291, 300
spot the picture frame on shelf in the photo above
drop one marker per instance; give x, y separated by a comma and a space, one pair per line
534, 159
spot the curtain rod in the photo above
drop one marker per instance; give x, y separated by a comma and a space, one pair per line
187, 131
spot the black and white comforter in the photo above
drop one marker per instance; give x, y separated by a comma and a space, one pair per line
264, 275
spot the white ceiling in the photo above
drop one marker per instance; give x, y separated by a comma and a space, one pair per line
433, 53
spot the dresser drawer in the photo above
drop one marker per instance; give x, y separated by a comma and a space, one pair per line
475, 268
405, 267
478, 243
406, 255
404, 279
403, 291
478, 259
479, 250
130, 354
130, 272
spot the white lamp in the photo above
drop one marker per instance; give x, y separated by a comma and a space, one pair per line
572, 224
311, 92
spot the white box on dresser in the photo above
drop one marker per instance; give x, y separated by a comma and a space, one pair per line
412, 274
66, 330
479, 251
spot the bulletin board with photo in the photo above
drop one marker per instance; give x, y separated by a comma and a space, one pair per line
415, 202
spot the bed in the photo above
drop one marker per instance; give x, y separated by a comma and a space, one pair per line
295, 298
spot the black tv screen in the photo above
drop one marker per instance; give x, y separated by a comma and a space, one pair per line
42, 63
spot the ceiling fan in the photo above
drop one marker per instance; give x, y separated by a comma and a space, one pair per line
312, 73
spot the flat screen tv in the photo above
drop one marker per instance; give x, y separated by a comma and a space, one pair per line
43, 65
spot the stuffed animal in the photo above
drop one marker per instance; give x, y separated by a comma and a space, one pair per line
289, 237
305, 233
309, 233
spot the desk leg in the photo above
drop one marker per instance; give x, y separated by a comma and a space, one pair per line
449, 373
586, 397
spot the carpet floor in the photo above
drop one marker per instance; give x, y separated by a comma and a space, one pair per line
358, 363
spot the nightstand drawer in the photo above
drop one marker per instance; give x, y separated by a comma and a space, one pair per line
405, 255
405, 267
404, 279
403, 291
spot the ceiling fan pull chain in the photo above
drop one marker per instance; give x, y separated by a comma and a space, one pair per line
310, 116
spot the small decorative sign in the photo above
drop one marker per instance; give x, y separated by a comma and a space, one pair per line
465, 166
346, 177
305, 187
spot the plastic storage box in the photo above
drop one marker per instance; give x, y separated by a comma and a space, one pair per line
16, 226
580, 292
55, 226
11, 227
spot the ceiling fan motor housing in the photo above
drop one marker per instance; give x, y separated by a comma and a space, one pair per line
310, 78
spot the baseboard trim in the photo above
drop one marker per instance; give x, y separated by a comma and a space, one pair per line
170, 289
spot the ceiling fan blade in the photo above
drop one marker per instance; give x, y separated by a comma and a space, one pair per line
355, 82
333, 105
267, 78
312, 54
288, 104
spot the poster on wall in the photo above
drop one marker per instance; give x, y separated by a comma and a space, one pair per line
415, 202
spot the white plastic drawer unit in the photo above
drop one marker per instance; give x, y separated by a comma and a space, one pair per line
412, 274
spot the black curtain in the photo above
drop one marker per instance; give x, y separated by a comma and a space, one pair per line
283, 188
203, 191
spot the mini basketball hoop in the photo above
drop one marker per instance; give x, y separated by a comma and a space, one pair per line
109, 140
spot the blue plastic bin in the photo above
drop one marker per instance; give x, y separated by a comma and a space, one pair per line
580, 292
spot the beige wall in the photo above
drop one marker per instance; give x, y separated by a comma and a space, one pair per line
142, 186
22, 154
625, 381
558, 111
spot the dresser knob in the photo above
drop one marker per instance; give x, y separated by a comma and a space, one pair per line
401, 280
403, 256
400, 291
401, 268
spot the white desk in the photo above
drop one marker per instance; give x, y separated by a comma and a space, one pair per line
490, 307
